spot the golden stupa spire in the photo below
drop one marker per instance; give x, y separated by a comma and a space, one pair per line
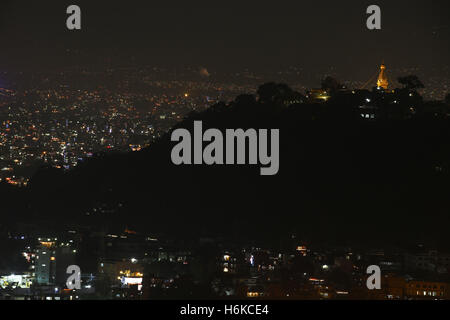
382, 78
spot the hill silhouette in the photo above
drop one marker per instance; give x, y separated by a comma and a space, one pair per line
340, 178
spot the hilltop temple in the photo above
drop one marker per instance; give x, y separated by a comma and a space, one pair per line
382, 78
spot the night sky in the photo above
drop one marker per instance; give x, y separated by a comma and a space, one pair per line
224, 34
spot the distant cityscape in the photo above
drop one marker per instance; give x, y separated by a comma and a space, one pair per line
63, 118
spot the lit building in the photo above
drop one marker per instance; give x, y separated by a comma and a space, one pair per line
15, 281
423, 289
51, 261
318, 95
45, 263
125, 271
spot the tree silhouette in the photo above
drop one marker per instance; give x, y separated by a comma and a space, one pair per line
273, 92
277, 94
331, 84
411, 82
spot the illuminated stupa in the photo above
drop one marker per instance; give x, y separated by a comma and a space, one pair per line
382, 78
